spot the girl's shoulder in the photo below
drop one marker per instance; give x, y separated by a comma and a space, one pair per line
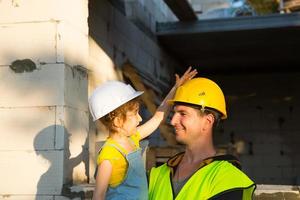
111, 151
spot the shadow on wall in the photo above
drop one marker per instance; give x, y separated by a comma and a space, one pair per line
58, 178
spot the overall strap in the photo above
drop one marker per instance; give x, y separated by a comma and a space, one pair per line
116, 147
111, 145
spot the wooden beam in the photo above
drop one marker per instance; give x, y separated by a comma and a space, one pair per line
148, 99
157, 155
182, 9
291, 5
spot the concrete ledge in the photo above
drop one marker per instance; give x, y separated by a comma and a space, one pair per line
84, 191
262, 192
266, 192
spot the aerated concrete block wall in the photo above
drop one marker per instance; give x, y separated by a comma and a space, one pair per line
120, 40
263, 124
43, 103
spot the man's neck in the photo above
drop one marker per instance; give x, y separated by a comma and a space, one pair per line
199, 151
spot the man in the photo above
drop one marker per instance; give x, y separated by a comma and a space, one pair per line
198, 173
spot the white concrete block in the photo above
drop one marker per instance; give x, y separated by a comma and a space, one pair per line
268, 172
72, 45
267, 149
75, 123
72, 135
291, 123
26, 197
122, 25
71, 123
76, 87
34, 40
146, 65
30, 172
101, 67
115, 39
27, 128
62, 198
42, 87
43, 197
29, 10
291, 144
77, 126
102, 9
131, 51
102, 27
75, 13
35, 10
61, 134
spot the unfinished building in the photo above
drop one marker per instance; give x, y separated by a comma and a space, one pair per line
55, 52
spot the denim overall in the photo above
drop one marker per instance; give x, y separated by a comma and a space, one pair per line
134, 185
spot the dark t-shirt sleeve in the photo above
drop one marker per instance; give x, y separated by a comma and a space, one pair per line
231, 195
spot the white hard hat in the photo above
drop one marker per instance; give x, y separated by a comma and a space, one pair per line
110, 96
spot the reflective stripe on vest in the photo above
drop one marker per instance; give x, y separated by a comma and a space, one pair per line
209, 181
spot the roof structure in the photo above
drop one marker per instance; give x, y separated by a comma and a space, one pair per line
237, 44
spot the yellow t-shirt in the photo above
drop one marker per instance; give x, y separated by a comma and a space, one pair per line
117, 160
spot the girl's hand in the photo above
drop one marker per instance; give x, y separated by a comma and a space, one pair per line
162, 111
188, 75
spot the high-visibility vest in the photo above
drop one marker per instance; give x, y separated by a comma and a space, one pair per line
210, 181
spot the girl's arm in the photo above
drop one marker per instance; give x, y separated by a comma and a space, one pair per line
162, 111
104, 170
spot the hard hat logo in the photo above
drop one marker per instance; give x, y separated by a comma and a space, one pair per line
202, 92
109, 96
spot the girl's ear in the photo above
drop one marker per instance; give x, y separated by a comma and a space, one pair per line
117, 122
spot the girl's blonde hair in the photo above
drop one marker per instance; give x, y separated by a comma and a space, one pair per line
108, 120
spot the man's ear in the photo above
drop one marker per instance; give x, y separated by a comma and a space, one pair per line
210, 119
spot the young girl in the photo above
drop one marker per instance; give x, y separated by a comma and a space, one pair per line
120, 171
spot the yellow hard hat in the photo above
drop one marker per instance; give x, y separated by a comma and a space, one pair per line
203, 92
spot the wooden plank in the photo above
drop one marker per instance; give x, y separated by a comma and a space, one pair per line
151, 159
158, 155
182, 9
291, 5
147, 98
167, 152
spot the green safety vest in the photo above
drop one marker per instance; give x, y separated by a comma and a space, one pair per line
211, 180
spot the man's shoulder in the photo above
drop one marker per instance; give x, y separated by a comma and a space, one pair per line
227, 164
160, 168
229, 172
229, 159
